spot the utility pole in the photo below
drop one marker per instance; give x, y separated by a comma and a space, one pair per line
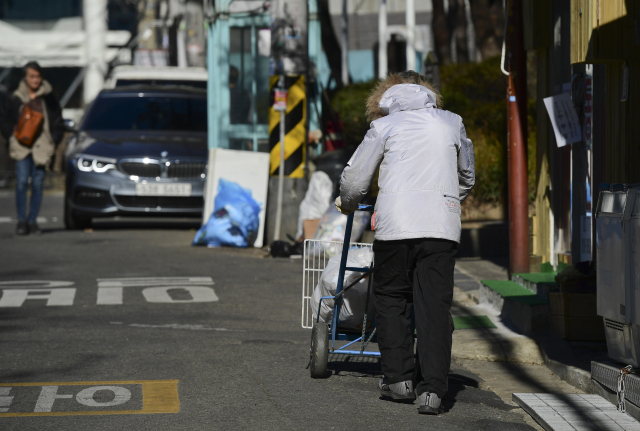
382, 40
280, 104
95, 27
345, 44
516, 141
181, 41
289, 62
410, 19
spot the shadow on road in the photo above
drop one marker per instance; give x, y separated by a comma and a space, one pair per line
82, 361
504, 347
361, 366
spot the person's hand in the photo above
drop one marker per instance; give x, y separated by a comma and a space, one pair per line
339, 207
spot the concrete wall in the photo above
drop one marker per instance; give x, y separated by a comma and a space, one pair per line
294, 190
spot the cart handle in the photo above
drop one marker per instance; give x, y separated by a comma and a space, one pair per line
365, 208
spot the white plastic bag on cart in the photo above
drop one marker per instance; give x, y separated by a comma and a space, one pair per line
354, 299
317, 199
332, 228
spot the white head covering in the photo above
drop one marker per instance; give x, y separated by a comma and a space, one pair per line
406, 97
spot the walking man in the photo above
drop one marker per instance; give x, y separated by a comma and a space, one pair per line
427, 169
33, 125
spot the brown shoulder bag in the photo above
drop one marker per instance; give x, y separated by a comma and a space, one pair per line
30, 123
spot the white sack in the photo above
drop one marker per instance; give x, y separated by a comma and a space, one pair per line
332, 227
354, 300
317, 199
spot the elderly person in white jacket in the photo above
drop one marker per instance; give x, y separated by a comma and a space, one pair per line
426, 167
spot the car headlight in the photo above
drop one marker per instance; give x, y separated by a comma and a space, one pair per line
95, 164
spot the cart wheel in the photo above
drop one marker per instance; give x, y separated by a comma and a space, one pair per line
319, 350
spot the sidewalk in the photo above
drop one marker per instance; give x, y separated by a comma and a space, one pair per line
570, 360
510, 362
499, 344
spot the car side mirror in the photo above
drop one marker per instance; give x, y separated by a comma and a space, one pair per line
70, 126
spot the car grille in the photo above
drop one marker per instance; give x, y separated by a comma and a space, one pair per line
144, 170
160, 201
186, 170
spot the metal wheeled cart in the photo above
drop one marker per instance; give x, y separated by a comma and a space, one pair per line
324, 335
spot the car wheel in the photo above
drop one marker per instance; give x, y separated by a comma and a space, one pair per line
73, 220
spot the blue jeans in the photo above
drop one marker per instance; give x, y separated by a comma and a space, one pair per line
25, 168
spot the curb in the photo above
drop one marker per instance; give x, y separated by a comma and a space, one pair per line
576, 377
527, 314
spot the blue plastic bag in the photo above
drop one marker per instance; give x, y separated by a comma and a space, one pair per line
234, 220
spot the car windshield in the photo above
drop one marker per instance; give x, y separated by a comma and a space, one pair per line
132, 112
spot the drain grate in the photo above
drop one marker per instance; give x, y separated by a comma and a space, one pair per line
607, 375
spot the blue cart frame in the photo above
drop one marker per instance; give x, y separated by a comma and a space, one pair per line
321, 333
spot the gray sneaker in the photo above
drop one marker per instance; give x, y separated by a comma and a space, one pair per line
398, 391
429, 404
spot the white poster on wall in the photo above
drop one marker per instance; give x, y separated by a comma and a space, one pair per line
564, 119
247, 168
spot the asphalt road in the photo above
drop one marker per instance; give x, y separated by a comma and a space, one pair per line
135, 348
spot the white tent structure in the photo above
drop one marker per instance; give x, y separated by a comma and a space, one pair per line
62, 46
67, 44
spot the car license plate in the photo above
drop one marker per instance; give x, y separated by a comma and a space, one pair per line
163, 189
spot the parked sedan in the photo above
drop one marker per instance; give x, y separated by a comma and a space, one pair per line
138, 151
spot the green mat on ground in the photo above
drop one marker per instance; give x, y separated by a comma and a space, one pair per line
546, 267
472, 322
513, 291
539, 277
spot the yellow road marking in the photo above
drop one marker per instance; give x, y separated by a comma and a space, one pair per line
158, 396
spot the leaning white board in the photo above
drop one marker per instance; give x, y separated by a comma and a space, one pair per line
248, 168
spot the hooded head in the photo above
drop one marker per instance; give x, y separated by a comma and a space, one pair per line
416, 93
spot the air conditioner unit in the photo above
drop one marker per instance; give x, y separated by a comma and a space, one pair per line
618, 267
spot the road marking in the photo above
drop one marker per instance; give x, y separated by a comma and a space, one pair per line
15, 293
110, 295
35, 284
48, 396
197, 293
41, 220
168, 290
111, 290
121, 396
54, 297
158, 396
178, 326
5, 399
154, 281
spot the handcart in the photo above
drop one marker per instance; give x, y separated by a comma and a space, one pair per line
324, 335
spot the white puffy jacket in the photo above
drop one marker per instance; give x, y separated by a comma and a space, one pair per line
426, 167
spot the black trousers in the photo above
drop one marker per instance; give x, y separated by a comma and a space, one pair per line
415, 273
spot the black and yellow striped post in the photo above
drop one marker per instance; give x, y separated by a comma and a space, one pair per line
295, 128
